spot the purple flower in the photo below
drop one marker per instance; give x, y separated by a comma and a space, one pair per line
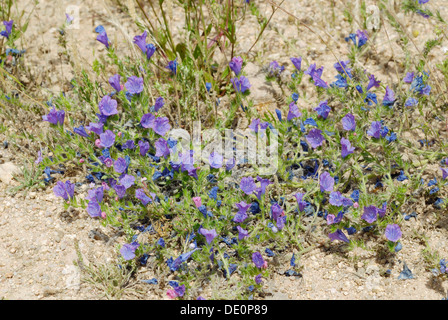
258, 260
346, 147
241, 215
68, 18
148, 120
264, 125
95, 194
161, 126
323, 109
81, 131
129, 144
444, 173
144, 147
311, 71
248, 186
242, 233
318, 82
230, 164
236, 64
114, 81
128, 250
372, 82
362, 37
275, 68
409, 77
241, 85
95, 127
215, 160
293, 112
389, 97
370, 214
107, 139
348, 122
336, 198
341, 67
162, 149
134, 85
150, 49
94, 209
127, 181
180, 290
208, 234
8, 28
258, 279
326, 182
55, 117
263, 183
102, 37
382, 211
276, 211
187, 160
141, 195
140, 41
254, 126
64, 190
159, 104
297, 62
39, 157
338, 235
315, 138
278, 215
300, 202
108, 106
393, 232
120, 165
375, 129
192, 172
120, 190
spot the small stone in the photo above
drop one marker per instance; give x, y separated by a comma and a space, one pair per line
49, 292
9, 275
7, 170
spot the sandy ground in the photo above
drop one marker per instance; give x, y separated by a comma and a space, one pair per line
37, 238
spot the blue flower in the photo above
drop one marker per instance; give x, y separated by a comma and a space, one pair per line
371, 97
279, 114
174, 265
214, 193
341, 82
434, 190
310, 121
432, 182
402, 176
172, 65
323, 109
161, 242
208, 86
355, 195
411, 102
